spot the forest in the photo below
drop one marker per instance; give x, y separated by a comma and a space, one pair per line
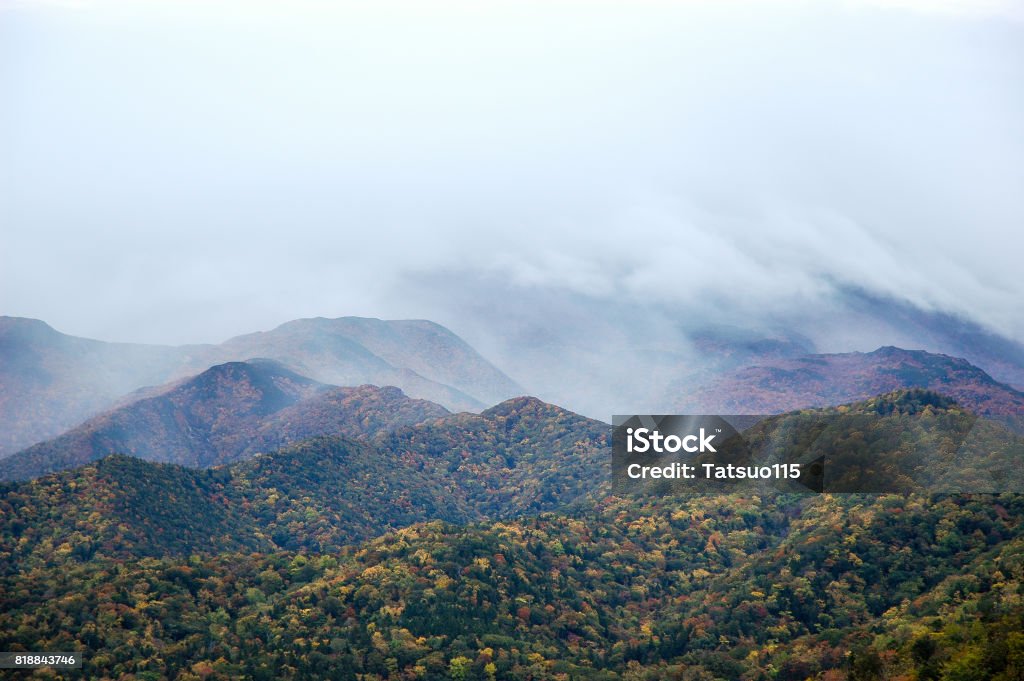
785, 586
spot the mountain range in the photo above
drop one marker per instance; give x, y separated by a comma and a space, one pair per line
228, 412
522, 456
249, 570
232, 409
303, 503
50, 382
599, 355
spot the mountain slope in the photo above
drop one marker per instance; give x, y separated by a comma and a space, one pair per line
119, 506
701, 587
361, 412
50, 381
421, 357
696, 588
522, 456
228, 412
905, 325
821, 380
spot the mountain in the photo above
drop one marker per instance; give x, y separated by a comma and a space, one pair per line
618, 354
159, 571
421, 346
522, 456
318, 495
423, 358
50, 382
226, 413
695, 588
785, 384
905, 441
360, 412
907, 325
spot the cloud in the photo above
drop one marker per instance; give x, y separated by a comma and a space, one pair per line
1005, 9
184, 171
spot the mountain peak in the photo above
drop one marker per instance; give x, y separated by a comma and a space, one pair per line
228, 412
68, 380
254, 367
423, 358
26, 328
830, 379
263, 382
522, 405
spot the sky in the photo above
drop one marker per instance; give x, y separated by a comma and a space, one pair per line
187, 171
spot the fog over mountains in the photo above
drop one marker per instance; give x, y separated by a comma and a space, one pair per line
50, 381
67, 401
318, 314
602, 356
607, 213
694, 157
229, 412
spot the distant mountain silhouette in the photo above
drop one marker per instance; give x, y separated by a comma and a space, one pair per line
50, 381
783, 384
228, 412
423, 358
906, 325
600, 355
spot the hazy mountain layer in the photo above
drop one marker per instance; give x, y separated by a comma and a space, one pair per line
423, 347
50, 382
622, 355
424, 359
226, 413
784, 384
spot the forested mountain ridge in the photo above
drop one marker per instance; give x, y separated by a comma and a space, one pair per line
51, 381
224, 414
523, 456
697, 588
520, 457
905, 441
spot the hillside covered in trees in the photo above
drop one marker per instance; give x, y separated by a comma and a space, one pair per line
718, 587
229, 412
267, 569
523, 456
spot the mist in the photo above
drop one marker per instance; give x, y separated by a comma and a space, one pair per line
186, 172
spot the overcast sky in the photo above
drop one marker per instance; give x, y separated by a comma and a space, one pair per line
187, 171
